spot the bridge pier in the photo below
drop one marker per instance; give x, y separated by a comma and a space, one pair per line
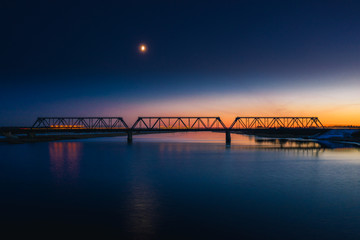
129, 137
228, 138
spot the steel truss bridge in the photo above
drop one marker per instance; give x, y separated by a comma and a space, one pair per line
276, 122
48, 125
80, 122
178, 123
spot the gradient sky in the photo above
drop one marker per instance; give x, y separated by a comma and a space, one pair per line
205, 58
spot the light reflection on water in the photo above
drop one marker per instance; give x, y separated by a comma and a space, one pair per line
65, 158
238, 141
186, 185
142, 208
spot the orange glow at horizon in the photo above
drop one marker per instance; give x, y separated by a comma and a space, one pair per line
333, 106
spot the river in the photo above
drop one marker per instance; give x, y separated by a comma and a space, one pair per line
181, 186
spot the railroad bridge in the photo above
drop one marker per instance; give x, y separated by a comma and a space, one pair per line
107, 125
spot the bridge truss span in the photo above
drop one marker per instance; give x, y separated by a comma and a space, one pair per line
275, 122
44, 127
80, 123
179, 123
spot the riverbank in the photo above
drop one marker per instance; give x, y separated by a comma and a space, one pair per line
49, 138
350, 136
19, 139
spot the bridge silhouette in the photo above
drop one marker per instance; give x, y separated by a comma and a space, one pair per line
58, 125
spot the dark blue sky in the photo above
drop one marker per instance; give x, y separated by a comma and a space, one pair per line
56, 52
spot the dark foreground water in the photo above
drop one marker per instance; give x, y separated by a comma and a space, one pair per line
180, 186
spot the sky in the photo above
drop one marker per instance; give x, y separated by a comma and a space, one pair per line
203, 58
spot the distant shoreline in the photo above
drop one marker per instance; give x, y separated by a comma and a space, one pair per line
349, 136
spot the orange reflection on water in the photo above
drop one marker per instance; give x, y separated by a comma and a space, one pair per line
64, 159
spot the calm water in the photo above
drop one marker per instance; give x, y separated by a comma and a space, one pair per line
181, 186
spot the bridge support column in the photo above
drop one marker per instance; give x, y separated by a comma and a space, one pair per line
228, 138
129, 137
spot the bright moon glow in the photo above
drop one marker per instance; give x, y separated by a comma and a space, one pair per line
143, 48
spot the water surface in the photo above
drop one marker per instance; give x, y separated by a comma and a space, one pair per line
181, 186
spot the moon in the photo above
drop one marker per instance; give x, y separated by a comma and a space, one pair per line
143, 48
